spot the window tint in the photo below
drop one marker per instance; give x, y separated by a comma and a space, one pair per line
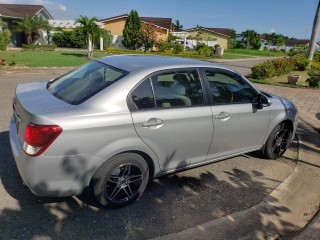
84, 82
177, 89
142, 96
227, 88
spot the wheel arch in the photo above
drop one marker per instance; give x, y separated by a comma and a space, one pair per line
148, 160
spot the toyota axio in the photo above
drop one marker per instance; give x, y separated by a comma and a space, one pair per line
116, 123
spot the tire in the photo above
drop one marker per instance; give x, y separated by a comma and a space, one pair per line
278, 141
120, 180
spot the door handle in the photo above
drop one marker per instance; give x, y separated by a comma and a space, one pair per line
153, 122
223, 116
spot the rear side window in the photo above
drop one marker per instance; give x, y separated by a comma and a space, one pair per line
177, 89
142, 96
84, 82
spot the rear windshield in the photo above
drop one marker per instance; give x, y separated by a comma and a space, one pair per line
84, 82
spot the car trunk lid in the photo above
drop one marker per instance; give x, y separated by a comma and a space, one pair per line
30, 102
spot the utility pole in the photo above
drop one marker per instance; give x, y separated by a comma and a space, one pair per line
315, 32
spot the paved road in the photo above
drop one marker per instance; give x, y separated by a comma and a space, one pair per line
170, 204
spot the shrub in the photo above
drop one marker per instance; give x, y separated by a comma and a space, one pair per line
164, 46
300, 63
316, 57
177, 48
263, 70
73, 39
315, 64
298, 49
314, 78
203, 49
107, 39
5, 39
32, 47
283, 66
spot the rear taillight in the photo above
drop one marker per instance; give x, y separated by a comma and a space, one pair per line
38, 138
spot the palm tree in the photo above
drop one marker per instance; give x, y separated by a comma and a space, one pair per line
89, 28
25, 26
30, 26
315, 32
177, 26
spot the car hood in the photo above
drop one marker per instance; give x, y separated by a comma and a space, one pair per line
36, 99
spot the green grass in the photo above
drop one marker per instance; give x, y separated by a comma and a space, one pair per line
47, 59
76, 58
282, 80
250, 52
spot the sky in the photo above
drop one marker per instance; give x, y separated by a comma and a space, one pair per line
293, 18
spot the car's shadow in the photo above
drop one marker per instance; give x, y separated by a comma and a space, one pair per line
169, 204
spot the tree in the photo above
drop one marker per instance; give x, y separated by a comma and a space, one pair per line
25, 26
251, 39
149, 35
177, 26
275, 39
232, 39
89, 28
132, 37
30, 26
315, 32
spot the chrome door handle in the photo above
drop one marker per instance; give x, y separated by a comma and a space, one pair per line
153, 122
223, 116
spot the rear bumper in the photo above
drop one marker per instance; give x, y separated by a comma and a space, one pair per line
53, 176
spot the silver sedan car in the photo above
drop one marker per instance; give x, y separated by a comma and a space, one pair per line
118, 122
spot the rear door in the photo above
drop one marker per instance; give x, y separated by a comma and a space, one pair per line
171, 116
239, 126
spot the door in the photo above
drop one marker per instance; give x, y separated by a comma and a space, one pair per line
170, 116
239, 126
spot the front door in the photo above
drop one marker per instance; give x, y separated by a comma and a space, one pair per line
239, 126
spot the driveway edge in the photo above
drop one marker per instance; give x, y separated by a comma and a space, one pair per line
288, 208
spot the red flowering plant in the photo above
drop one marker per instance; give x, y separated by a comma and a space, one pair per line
149, 35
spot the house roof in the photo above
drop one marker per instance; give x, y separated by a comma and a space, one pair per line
296, 41
21, 10
160, 22
221, 31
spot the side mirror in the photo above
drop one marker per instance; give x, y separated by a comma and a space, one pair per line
263, 101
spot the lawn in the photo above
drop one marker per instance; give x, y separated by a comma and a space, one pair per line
47, 59
256, 53
76, 58
282, 80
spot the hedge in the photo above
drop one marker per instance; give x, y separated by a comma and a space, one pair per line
279, 67
32, 47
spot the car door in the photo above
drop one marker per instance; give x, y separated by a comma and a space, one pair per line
171, 116
239, 126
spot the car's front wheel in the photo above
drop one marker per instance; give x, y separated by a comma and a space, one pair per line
278, 141
120, 180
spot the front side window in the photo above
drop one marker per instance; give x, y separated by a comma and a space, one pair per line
228, 88
181, 88
84, 82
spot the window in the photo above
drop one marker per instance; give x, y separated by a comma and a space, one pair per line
228, 88
142, 96
177, 89
84, 82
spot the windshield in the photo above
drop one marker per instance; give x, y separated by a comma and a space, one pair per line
84, 82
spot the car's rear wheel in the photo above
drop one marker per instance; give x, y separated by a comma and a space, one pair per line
278, 141
120, 180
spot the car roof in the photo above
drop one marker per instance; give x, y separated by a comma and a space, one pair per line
142, 62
